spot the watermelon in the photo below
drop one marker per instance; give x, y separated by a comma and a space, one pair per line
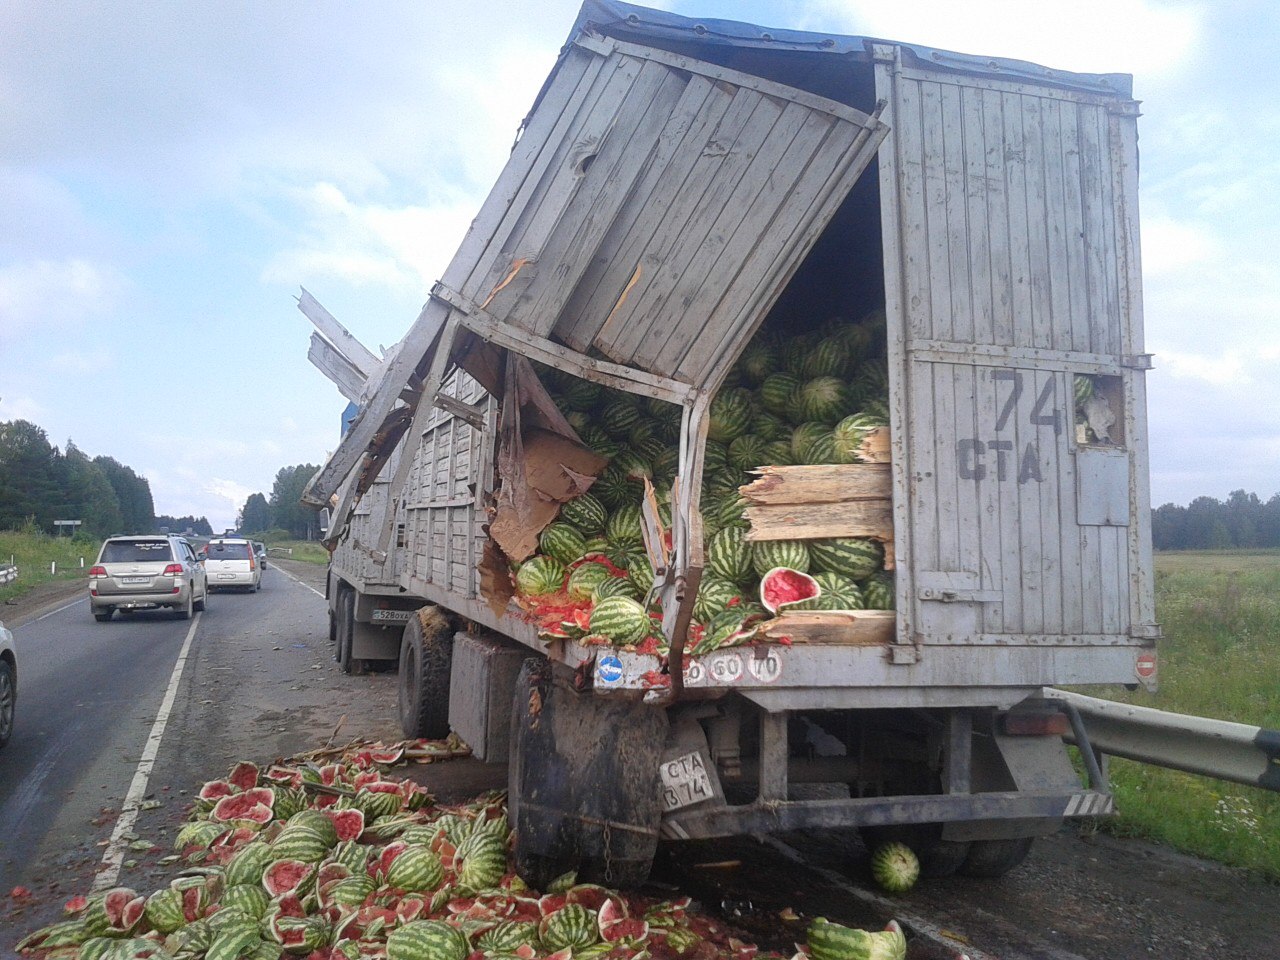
299, 935
318, 821
632, 464
828, 358
584, 580
615, 587
838, 593
714, 596
616, 488
539, 575
597, 440
164, 910
822, 398
573, 927
767, 554
623, 528
854, 557
249, 897
1082, 387
746, 452
665, 464
803, 436
821, 450
832, 941
730, 415
723, 628
508, 936
414, 870
247, 863
253, 806
756, 362
895, 867
715, 458
778, 453
579, 395
622, 620
427, 940
649, 447
769, 427
878, 592
781, 587
849, 434
732, 512
620, 416
288, 876
584, 513
729, 556
778, 393
578, 420
347, 892
640, 573
562, 542
299, 843
484, 860
872, 378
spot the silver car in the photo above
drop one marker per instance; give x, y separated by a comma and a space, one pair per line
231, 562
147, 572
8, 683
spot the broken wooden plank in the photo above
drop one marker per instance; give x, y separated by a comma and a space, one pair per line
875, 446
804, 521
355, 352
821, 483
859, 628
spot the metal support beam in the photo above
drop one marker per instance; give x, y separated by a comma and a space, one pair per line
773, 757
959, 751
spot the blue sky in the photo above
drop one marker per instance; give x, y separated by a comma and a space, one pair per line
170, 174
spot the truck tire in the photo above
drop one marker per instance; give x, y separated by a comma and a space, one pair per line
426, 658
995, 858
333, 626
582, 782
346, 628
938, 858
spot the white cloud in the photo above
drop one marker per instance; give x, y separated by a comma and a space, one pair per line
1224, 370
49, 294
1105, 36
1169, 245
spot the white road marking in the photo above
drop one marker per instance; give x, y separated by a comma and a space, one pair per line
300, 583
112, 860
65, 606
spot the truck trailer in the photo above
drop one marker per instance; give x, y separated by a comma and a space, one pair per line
941, 252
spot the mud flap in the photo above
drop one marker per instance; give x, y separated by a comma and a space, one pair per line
583, 780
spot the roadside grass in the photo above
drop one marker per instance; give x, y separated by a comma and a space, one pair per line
33, 551
308, 551
1220, 614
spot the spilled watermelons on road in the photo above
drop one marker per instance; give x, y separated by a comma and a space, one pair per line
420, 881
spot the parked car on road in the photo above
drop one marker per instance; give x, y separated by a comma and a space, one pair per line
146, 572
8, 683
232, 562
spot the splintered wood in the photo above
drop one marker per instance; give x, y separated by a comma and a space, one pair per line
856, 628
827, 500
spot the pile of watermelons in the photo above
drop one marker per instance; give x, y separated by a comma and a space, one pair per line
792, 398
341, 860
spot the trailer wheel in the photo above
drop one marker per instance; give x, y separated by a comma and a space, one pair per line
582, 782
346, 628
333, 626
426, 658
938, 858
995, 858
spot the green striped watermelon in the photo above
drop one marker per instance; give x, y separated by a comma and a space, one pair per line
249, 897
822, 449
895, 867
622, 620
778, 394
538, 576
619, 417
746, 452
616, 587
822, 399
767, 554
484, 861
247, 864
508, 936
849, 434
828, 358
768, 426
782, 587
584, 580
416, 869
427, 940
731, 511
585, 513
832, 941
640, 573
579, 395
623, 529
666, 463
714, 596
730, 414
878, 592
595, 438
854, 557
729, 556
838, 593
573, 926
616, 487
756, 362
778, 453
299, 843
632, 464
562, 542
715, 458
803, 436
164, 909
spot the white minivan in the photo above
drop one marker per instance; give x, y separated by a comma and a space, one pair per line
8, 684
232, 562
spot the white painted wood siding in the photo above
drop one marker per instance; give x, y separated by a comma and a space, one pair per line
1009, 216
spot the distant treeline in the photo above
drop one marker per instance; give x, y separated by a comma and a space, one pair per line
284, 512
1241, 522
40, 484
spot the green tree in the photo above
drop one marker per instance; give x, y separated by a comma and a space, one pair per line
179, 525
29, 476
137, 510
287, 511
88, 495
255, 515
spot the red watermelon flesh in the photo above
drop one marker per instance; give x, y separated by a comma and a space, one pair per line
192, 903
285, 876
114, 902
551, 903
284, 775
289, 905
410, 908
389, 854
526, 951
216, 789
244, 775
624, 930
782, 586
594, 898
331, 873
133, 912
242, 806
348, 823
387, 757
366, 778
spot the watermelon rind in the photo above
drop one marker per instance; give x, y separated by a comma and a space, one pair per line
768, 554
854, 557
833, 941
427, 940
895, 867
622, 620
778, 585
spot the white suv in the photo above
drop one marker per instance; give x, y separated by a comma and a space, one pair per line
8, 684
138, 573
232, 562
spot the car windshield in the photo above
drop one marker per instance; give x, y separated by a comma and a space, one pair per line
228, 551
135, 551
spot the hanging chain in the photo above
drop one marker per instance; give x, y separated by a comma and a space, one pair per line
608, 853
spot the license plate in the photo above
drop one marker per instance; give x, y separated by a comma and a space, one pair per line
391, 616
684, 781
226, 576
135, 579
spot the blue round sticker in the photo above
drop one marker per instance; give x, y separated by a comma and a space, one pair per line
609, 669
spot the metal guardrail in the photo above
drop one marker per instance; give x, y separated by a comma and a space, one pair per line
1213, 748
8, 573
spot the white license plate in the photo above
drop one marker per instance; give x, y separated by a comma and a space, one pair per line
684, 781
226, 576
135, 579
391, 616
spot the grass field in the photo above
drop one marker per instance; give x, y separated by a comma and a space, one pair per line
32, 552
308, 551
1220, 613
